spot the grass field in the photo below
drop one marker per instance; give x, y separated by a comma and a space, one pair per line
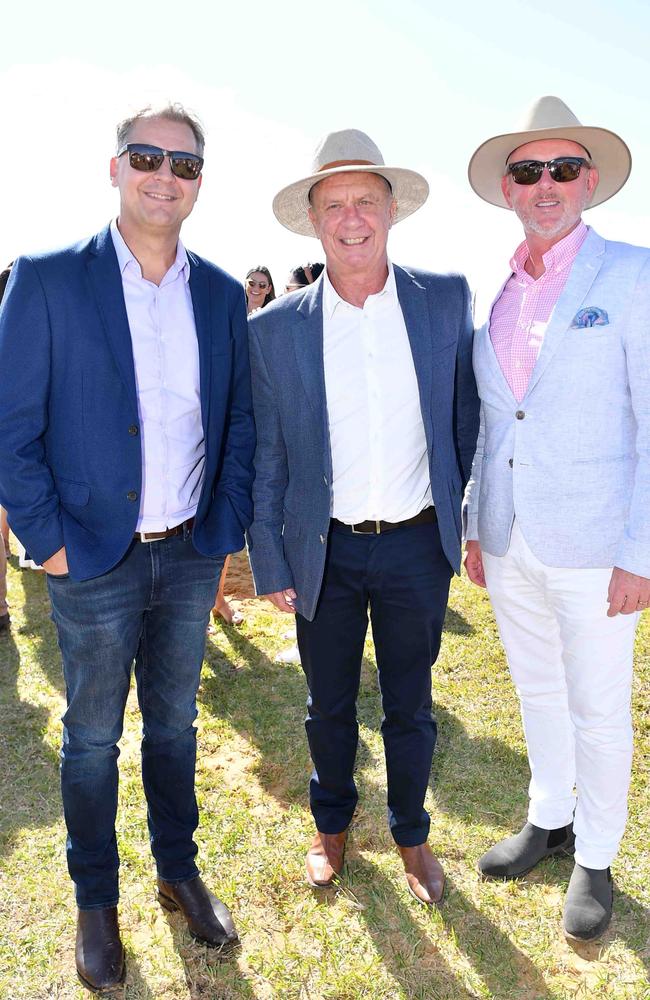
365, 939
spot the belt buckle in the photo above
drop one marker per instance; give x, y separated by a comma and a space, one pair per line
377, 530
142, 535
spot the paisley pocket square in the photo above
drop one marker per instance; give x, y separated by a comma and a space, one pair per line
590, 316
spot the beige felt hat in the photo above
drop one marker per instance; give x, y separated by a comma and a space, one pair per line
550, 118
341, 152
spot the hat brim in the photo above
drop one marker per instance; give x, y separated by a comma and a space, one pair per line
291, 204
608, 153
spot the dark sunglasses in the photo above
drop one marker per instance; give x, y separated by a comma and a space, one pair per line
257, 284
149, 158
561, 169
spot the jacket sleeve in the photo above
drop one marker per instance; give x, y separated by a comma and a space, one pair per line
634, 550
270, 569
466, 402
235, 480
27, 488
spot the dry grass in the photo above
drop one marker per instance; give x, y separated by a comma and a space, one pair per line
367, 939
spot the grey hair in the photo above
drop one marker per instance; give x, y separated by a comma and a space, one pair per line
169, 112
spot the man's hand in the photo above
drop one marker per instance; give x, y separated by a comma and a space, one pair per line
474, 563
627, 593
283, 600
56, 565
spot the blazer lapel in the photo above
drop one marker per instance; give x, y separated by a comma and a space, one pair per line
583, 273
415, 309
106, 283
200, 292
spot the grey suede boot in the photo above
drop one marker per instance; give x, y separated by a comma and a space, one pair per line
516, 855
588, 903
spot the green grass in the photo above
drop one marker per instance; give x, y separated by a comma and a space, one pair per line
366, 939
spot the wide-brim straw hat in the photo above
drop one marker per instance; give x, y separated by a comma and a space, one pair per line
550, 118
338, 153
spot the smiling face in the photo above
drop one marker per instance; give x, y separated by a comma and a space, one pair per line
352, 214
257, 288
547, 209
158, 201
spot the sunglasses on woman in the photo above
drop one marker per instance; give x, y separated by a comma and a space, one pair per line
148, 159
561, 169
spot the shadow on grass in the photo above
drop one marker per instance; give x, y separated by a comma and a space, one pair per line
411, 953
29, 767
207, 972
456, 624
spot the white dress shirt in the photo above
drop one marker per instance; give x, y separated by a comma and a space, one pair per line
379, 451
166, 359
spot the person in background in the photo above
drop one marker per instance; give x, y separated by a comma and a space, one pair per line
299, 277
259, 288
557, 507
259, 292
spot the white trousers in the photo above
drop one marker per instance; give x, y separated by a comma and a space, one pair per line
572, 667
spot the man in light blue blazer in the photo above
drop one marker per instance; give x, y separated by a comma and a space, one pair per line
126, 444
366, 415
557, 506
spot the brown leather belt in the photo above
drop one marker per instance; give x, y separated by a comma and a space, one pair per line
156, 536
426, 516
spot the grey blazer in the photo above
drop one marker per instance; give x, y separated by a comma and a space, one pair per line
572, 460
293, 466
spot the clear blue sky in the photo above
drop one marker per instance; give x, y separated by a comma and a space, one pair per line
428, 82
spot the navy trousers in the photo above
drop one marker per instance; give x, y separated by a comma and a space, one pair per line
402, 577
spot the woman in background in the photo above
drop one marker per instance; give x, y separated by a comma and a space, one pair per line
259, 288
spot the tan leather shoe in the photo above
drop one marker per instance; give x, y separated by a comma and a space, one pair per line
324, 860
424, 875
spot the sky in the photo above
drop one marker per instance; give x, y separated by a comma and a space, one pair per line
428, 82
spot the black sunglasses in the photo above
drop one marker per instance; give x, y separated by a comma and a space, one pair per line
149, 158
561, 169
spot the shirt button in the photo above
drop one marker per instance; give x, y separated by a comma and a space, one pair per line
520, 414
510, 462
133, 429
325, 480
131, 495
322, 539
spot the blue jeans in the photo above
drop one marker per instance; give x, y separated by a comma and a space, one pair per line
153, 607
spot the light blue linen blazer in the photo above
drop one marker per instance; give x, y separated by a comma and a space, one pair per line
571, 461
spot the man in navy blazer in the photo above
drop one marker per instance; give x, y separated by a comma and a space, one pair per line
367, 415
126, 466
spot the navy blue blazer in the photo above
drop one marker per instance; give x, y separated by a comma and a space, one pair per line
70, 457
293, 464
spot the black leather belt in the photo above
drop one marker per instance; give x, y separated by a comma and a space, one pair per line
155, 536
426, 516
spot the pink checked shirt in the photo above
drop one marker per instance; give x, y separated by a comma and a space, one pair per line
521, 313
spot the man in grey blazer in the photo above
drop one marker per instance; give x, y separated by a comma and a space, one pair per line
367, 415
557, 506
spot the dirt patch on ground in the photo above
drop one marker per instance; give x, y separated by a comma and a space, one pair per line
239, 582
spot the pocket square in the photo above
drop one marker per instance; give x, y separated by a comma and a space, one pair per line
590, 316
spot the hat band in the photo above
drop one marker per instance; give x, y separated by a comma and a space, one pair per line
348, 163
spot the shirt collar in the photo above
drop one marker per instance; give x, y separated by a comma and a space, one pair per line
332, 300
560, 255
125, 258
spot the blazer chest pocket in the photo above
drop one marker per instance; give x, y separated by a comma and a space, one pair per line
72, 493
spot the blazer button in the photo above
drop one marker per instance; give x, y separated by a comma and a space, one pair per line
322, 539
520, 414
510, 462
133, 429
131, 495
